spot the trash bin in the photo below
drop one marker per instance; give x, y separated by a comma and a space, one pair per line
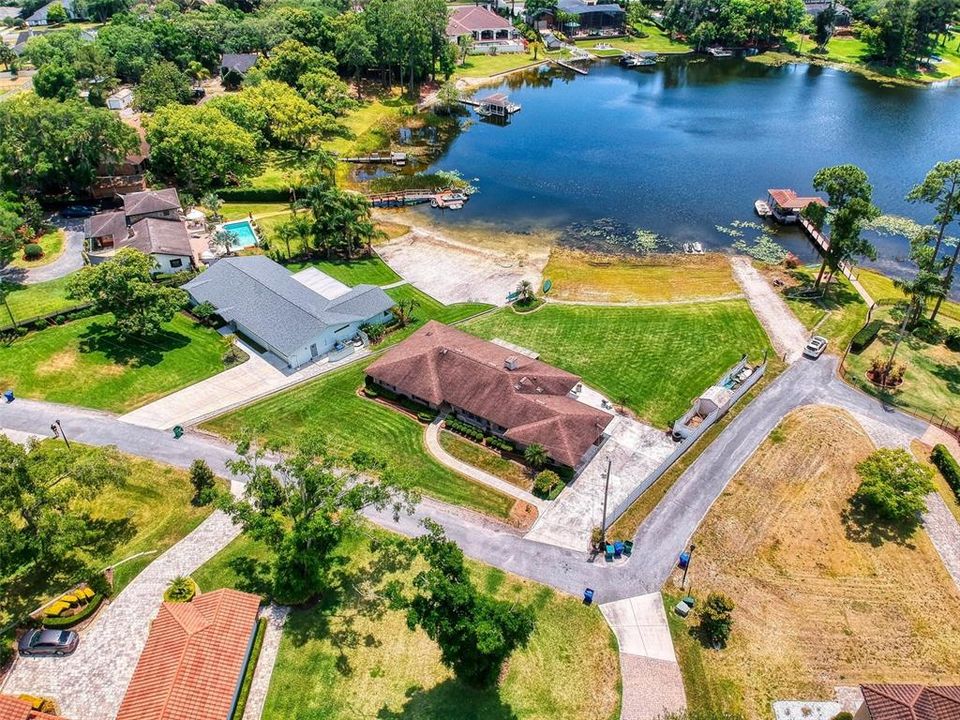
8, 396
177, 431
628, 547
690, 600
588, 596
684, 560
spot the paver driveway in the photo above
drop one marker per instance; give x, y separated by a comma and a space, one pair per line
90, 684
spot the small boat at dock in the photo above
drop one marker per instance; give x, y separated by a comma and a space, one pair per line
762, 208
719, 52
638, 59
697, 249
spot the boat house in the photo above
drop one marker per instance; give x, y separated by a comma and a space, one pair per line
785, 205
497, 105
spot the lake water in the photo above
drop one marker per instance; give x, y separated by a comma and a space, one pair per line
689, 144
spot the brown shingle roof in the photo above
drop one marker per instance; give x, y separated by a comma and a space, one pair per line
149, 201
108, 224
154, 235
12, 708
467, 19
193, 662
441, 364
912, 702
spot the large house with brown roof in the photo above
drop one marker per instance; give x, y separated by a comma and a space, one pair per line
909, 702
150, 221
486, 31
193, 663
502, 391
14, 708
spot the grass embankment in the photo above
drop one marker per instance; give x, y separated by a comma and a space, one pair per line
481, 66
884, 292
487, 460
36, 300
851, 53
52, 244
658, 359
330, 405
349, 656
84, 363
151, 511
654, 40
580, 276
821, 600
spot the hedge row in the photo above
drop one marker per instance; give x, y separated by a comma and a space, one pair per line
865, 335
499, 444
256, 194
462, 428
62, 623
947, 465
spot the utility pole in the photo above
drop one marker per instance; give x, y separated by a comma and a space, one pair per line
57, 429
606, 490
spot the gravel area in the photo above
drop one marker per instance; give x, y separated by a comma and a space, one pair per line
786, 332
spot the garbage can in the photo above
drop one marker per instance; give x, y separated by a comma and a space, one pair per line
588, 596
8, 396
177, 431
684, 560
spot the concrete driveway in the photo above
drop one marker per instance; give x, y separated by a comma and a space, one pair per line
69, 261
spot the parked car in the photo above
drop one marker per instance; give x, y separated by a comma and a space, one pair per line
815, 347
48, 642
78, 211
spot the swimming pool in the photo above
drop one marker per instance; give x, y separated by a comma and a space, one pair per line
244, 232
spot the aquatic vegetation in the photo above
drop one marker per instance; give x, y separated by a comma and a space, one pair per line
730, 231
764, 248
895, 225
612, 235
646, 241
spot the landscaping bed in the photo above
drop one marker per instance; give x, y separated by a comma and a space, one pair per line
487, 460
822, 596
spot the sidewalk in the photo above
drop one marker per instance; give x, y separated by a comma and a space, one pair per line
276, 618
249, 381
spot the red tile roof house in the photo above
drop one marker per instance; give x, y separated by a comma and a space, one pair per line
193, 663
786, 205
513, 396
12, 708
909, 702
488, 31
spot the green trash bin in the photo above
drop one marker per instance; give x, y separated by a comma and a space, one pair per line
177, 431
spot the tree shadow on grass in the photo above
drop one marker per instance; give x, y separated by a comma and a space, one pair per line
450, 699
862, 525
101, 337
950, 374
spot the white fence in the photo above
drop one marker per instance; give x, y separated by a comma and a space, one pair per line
685, 444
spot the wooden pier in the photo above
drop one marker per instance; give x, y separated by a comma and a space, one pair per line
391, 158
822, 242
399, 198
569, 66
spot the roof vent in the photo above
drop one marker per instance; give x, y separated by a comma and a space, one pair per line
511, 363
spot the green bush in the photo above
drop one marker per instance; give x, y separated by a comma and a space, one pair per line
426, 416
32, 251
948, 466
866, 335
952, 340
6, 649
545, 483
256, 194
371, 392
62, 623
181, 589
929, 331
716, 619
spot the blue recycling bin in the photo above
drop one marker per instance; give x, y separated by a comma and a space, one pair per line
684, 560
588, 596
8, 396
618, 548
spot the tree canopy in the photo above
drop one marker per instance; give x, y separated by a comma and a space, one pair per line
162, 83
123, 286
895, 486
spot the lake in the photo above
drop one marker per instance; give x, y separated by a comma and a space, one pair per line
679, 148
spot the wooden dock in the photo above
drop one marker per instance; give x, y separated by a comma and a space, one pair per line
822, 242
569, 66
391, 158
399, 198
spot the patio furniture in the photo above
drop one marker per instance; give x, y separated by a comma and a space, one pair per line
618, 548
588, 596
608, 555
628, 548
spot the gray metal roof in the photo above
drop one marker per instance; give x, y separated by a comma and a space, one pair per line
265, 298
579, 7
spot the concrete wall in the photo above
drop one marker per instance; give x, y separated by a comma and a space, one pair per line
685, 444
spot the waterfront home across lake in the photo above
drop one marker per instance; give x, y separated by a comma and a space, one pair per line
487, 31
593, 19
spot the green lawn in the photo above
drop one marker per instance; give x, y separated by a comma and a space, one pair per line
370, 270
52, 244
242, 210
350, 657
152, 511
83, 363
37, 300
656, 40
837, 316
429, 309
486, 459
882, 290
330, 405
660, 358
476, 66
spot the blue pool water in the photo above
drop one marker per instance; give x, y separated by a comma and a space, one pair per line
246, 237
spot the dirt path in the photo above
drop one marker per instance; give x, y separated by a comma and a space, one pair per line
786, 332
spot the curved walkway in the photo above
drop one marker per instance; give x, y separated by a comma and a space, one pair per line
70, 260
431, 439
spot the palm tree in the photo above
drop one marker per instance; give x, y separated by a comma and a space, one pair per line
535, 455
403, 311
525, 292
198, 72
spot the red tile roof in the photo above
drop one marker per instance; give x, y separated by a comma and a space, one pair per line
789, 200
12, 708
468, 19
193, 662
441, 364
912, 702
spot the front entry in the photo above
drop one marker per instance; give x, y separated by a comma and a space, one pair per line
313, 350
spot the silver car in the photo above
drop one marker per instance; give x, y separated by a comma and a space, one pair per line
815, 347
48, 642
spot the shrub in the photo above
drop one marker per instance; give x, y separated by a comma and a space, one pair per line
62, 623
32, 251
952, 340
929, 331
426, 416
894, 486
374, 331
843, 715
180, 589
948, 466
791, 261
545, 483
866, 335
716, 619
204, 312
6, 650
204, 483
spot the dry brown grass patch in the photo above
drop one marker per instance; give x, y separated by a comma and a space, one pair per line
62, 361
815, 608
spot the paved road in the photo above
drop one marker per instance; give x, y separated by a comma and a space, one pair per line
662, 536
69, 261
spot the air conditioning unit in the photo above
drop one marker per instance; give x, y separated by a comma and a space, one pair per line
511, 363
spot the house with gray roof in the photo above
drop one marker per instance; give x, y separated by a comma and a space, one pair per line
40, 16
283, 312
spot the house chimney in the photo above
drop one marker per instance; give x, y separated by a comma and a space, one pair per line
511, 363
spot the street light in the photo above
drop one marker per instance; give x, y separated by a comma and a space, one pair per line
57, 429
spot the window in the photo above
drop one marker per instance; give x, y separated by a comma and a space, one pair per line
176, 263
